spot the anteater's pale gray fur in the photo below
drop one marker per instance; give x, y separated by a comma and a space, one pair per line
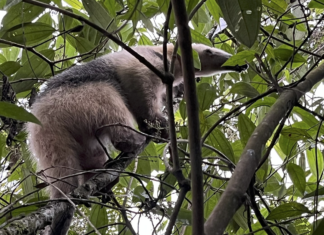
114, 88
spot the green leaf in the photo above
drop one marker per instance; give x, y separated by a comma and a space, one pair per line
319, 192
75, 4
97, 13
199, 38
83, 45
46, 19
183, 133
144, 40
320, 228
277, 6
2, 59
226, 47
240, 218
11, 53
206, 95
243, 19
214, 9
15, 112
286, 210
201, 16
210, 118
261, 174
311, 122
126, 32
183, 109
287, 146
147, 23
132, 42
9, 67
134, 12
28, 185
315, 161
98, 217
290, 19
163, 5
150, 9
110, 5
240, 58
21, 13
19, 211
151, 152
34, 67
184, 216
295, 133
319, 4
144, 166
3, 145
196, 59
238, 149
165, 189
139, 194
297, 175
191, 4
211, 202
246, 128
272, 185
245, 89
302, 161
2, 4
269, 50
218, 140
267, 101
307, 118
28, 34
67, 50
285, 54
67, 23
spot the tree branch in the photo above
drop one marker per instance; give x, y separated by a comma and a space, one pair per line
249, 160
176, 169
188, 71
256, 210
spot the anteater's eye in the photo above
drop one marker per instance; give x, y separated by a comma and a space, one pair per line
208, 51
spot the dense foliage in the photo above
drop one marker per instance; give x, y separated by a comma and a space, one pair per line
282, 42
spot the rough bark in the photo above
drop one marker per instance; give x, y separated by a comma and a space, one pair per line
188, 70
233, 196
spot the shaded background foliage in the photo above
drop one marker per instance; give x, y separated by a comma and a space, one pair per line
281, 40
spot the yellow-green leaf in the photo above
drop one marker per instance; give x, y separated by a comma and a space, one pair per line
297, 175
15, 112
243, 18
